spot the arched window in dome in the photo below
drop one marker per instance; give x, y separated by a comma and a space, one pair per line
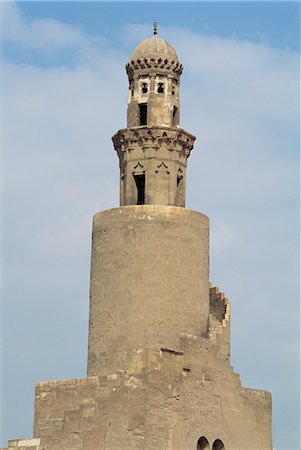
218, 445
203, 444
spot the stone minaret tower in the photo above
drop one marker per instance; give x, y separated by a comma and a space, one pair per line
149, 279
153, 150
159, 374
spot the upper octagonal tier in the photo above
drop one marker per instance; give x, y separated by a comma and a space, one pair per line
154, 54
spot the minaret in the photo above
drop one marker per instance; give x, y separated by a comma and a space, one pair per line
159, 374
153, 149
149, 276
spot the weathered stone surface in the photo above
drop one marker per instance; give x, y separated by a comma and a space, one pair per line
158, 154
149, 281
23, 444
169, 400
154, 75
153, 147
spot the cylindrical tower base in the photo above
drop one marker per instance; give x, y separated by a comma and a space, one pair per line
149, 282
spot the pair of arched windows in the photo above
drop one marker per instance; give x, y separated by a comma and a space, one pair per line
203, 444
160, 88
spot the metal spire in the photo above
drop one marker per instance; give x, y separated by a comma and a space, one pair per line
155, 28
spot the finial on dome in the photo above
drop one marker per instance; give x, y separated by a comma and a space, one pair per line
155, 28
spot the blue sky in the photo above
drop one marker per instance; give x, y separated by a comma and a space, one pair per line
64, 95
268, 21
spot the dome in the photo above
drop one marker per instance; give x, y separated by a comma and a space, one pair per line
155, 47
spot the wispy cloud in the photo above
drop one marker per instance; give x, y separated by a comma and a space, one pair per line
44, 35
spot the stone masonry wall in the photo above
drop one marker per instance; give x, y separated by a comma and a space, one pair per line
167, 400
149, 282
23, 444
219, 321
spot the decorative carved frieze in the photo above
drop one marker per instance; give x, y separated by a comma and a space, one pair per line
153, 63
139, 168
162, 168
175, 139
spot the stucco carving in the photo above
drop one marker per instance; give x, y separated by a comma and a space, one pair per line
156, 137
148, 64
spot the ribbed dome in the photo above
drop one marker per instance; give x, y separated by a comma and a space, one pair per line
155, 47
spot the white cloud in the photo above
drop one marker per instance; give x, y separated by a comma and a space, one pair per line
44, 35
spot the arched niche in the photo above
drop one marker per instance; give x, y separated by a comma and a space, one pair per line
218, 445
203, 444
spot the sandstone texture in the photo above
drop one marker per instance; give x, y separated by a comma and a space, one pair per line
149, 282
168, 398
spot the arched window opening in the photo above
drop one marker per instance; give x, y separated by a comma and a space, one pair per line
218, 445
160, 89
144, 88
143, 113
140, 184
175, 116
203, 444
180, 189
